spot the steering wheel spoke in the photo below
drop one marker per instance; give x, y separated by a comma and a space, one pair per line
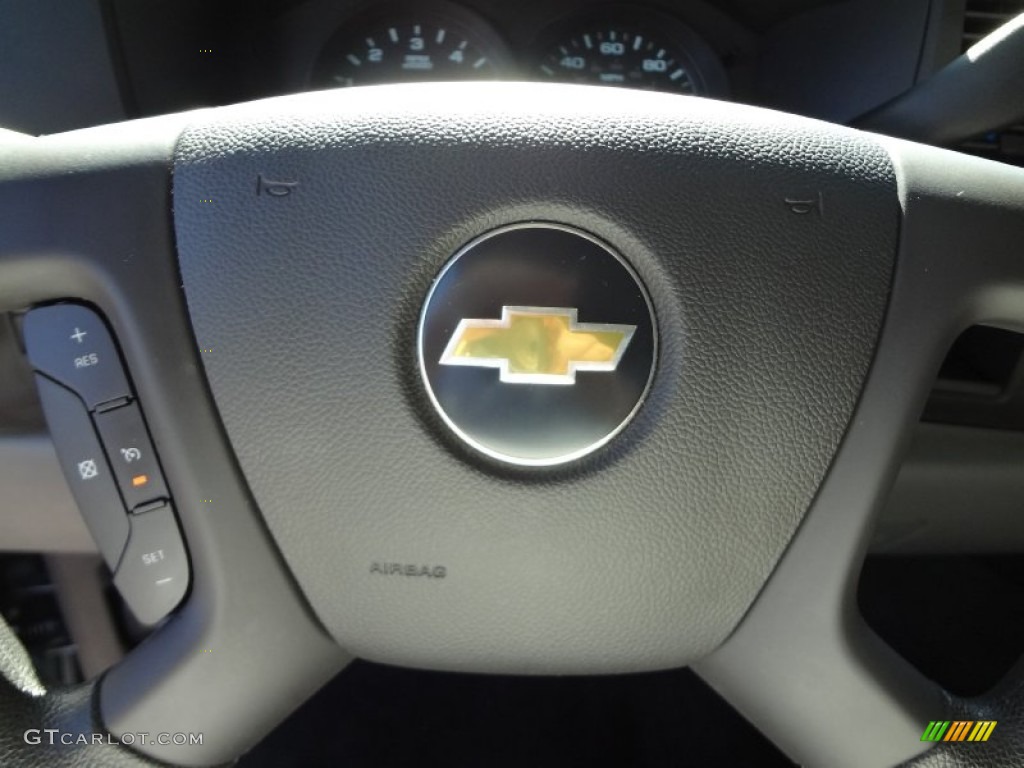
84, 216
803, 665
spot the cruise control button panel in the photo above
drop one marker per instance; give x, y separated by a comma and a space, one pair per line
153, 573
85, 467
131, 455
107, 455
71, 344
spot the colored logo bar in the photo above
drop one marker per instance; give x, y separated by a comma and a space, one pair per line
959, 730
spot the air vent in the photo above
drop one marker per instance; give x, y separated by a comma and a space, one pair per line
984, 16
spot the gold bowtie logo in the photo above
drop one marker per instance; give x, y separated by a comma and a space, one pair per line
538, 345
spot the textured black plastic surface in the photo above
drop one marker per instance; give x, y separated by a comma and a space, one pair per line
766, 243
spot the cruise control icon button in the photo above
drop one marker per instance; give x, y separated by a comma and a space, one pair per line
131, 455
537, 344
87, 469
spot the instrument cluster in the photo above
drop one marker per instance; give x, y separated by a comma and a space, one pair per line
613, 45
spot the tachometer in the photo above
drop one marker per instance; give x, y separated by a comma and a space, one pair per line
626, 47
406, 43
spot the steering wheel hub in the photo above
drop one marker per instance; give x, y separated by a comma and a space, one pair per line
537, 343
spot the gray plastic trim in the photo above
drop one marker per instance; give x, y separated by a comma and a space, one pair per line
959, 265
87, 215
37, 513
959, 490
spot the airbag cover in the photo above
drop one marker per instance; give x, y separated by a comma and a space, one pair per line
309, 231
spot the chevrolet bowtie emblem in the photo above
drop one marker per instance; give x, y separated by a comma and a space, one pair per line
538, 345
478, 353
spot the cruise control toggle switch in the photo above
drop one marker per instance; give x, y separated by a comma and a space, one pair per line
153, 573
107, 456
70, 343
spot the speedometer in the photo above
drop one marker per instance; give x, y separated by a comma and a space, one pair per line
610, 56
627, 47
404, 43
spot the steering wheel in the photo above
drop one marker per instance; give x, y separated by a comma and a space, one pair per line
278, 276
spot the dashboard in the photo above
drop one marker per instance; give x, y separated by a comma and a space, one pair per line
78, 63
109, 60
819, 58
